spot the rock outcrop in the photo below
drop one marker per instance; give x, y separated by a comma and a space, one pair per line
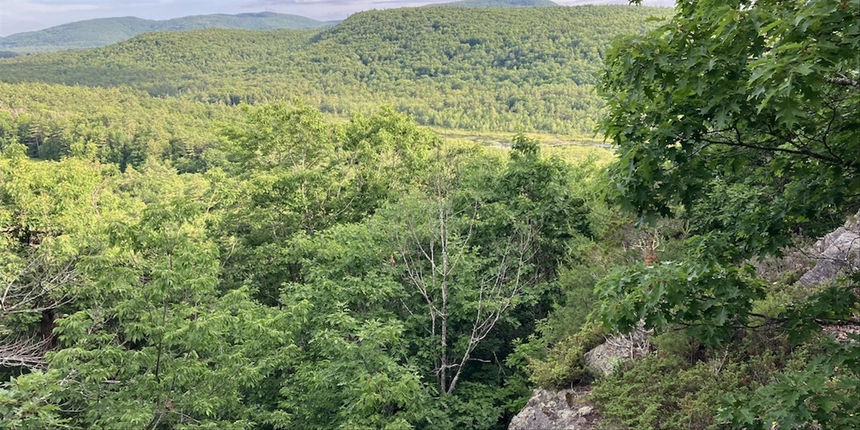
567, 409
603, 359
838, 253
557, 410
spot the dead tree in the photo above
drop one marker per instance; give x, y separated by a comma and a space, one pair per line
435, 248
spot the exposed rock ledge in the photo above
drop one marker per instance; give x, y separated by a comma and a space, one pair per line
557, 410
838, 253
568, 409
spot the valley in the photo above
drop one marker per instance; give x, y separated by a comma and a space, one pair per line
484, 70
480, 215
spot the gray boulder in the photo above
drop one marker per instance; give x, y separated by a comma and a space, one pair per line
838, 253
602, 360
556, 410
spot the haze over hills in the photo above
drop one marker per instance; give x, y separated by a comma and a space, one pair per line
471, 69
99, 32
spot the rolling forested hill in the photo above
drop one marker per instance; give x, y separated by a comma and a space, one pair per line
501, 3
472, 69
99, 32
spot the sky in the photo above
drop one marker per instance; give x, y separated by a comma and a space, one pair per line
27, 15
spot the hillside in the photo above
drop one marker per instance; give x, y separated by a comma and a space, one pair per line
501, 3
100, 32
472, 69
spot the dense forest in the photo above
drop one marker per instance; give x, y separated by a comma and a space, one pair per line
95, 33
254, 230
360, 275
487, 70
500, 3
114, 125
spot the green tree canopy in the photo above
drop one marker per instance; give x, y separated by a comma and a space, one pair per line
742, 118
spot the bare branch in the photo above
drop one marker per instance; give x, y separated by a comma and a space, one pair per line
24, 352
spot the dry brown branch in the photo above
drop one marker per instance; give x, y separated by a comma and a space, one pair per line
24, 352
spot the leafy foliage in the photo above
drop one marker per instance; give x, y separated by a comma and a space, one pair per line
564, 366
643, 397
290, 285
735, 117
820, 392
719, 157
781, 134
711, 301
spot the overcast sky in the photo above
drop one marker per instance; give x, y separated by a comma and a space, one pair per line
27, 15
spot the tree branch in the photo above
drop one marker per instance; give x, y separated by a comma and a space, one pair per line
844, 81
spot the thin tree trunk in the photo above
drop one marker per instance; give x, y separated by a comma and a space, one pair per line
443, 374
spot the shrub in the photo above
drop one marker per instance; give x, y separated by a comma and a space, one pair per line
666, 393
564, 365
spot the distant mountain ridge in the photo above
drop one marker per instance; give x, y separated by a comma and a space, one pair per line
94, 33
